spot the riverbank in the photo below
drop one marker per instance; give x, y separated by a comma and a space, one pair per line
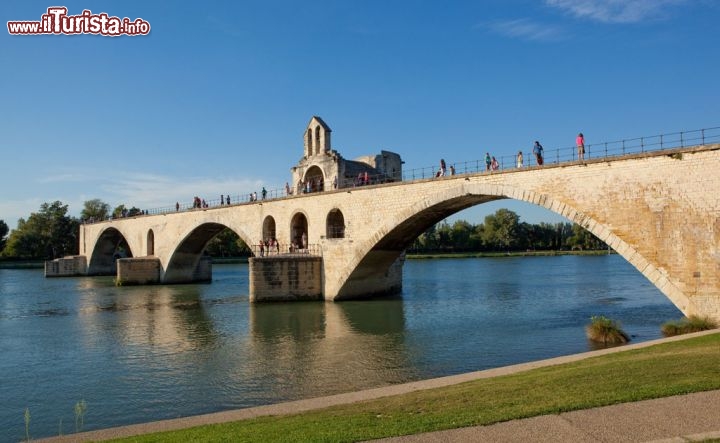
422, 256
40, 264
631, 373
22, 264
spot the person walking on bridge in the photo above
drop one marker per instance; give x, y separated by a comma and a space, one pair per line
580, 142
538, 151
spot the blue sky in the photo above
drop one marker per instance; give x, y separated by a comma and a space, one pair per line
216, 98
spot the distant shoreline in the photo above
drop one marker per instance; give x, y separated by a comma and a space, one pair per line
424, 256
40, 264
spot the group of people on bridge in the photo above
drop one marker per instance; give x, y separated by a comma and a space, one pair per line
491, 163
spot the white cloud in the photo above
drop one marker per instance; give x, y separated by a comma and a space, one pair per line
142, 190
524, 29
152, 191
616, 11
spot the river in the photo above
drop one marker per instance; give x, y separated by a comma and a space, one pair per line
138, 354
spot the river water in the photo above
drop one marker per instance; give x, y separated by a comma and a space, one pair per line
138, 354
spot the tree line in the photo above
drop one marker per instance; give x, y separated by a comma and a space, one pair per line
51, 233
503, 232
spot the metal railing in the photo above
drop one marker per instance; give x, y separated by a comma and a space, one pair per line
284, 250
593, 151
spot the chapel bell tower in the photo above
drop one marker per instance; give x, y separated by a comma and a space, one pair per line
317, 137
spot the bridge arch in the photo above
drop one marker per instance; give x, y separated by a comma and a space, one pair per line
110, 245
378, 253
299, 229
335, 224
268, 228
183, 263
315, 177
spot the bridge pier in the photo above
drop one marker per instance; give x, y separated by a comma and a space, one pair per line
69, 266
138, 271
285, 278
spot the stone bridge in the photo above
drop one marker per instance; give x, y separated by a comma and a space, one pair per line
658, 210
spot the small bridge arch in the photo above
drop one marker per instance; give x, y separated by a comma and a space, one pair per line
110, 245
185, 260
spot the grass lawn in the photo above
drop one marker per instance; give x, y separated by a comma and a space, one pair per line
681, 367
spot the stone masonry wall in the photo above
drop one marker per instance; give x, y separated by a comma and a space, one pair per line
283, 278
138, 271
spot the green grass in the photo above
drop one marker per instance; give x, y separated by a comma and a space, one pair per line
691, 365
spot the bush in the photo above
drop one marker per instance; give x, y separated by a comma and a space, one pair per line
687, 325
603, 330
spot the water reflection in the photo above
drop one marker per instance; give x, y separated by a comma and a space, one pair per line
170, 317
300, 346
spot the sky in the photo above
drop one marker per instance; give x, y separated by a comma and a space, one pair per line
216, 97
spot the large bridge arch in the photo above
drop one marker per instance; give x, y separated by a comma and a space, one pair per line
110, 245
381, 249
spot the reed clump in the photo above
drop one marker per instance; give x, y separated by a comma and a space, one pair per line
687, 325
603, 330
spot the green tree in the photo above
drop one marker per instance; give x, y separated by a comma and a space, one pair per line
227, 244
118, 211
460, 236
95, 209
3, 234
443, 235
47, 234
121, 211
132, 212
501, 229
583, 239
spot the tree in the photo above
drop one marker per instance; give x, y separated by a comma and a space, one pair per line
95, 209
460, 236
583, 239
119, 211
501, 229
3, 234
227, 244
46, 234
443, 235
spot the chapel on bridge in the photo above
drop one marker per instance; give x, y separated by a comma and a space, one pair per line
323, 168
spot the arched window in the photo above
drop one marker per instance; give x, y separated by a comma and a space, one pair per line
268, 228
317, 139
315, 179
150, 242
298, 232
335, 226
309, 149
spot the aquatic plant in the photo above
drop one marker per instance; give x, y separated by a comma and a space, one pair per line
603, 330
27, 424
80, 408
687, 325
